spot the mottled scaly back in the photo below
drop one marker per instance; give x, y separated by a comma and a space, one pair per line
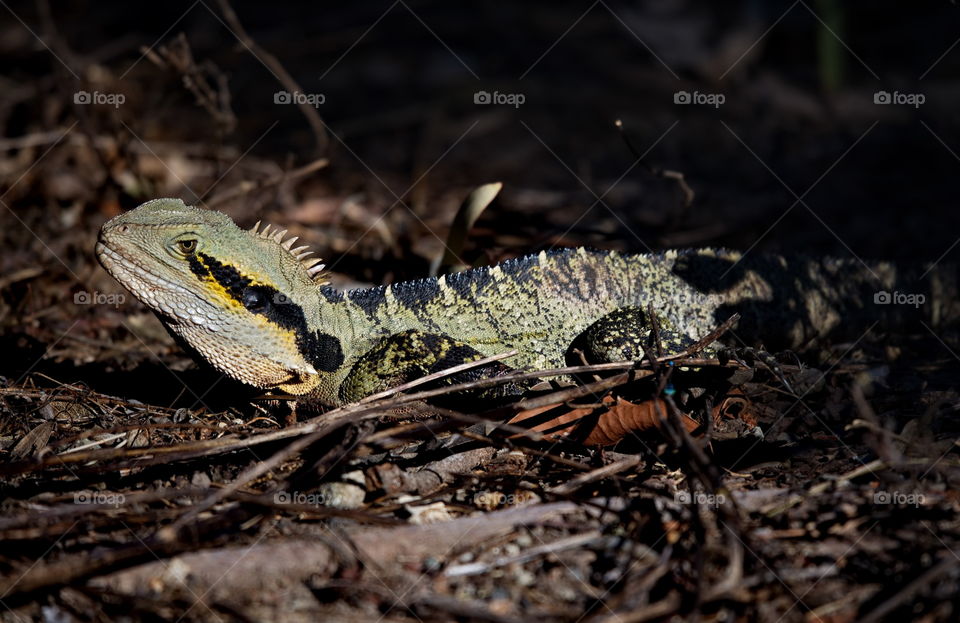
538, 304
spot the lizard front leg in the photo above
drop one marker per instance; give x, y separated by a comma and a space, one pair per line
622, 335
412, 354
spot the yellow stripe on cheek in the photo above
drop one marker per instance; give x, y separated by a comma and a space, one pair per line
227, 286
288, 337
218, 293
220, 278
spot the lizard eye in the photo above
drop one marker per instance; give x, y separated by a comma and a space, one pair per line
187, 246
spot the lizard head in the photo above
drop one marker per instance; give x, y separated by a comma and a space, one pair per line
241, 298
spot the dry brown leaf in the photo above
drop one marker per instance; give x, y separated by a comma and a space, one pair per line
614, 418
600, 425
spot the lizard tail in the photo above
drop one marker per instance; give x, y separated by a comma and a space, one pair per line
795, 302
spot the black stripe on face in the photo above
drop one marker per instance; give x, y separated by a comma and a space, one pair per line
197, 267
227, 276
324, 352
328, 354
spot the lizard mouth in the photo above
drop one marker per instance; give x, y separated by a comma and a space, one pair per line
159, 293
123, 269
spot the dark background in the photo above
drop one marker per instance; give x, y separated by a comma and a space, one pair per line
406, 142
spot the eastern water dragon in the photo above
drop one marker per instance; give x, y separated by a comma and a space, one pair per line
258, 309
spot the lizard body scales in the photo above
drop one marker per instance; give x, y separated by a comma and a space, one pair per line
255, 307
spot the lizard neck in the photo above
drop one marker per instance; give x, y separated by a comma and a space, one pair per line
344, 326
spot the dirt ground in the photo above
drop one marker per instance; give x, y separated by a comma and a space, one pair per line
136, 484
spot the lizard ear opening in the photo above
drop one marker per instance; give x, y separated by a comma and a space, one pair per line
313, 265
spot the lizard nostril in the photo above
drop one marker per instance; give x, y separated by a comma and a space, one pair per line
123, 229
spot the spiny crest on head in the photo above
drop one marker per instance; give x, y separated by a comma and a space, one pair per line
314, 265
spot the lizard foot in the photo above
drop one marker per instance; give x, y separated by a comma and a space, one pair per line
624, 334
